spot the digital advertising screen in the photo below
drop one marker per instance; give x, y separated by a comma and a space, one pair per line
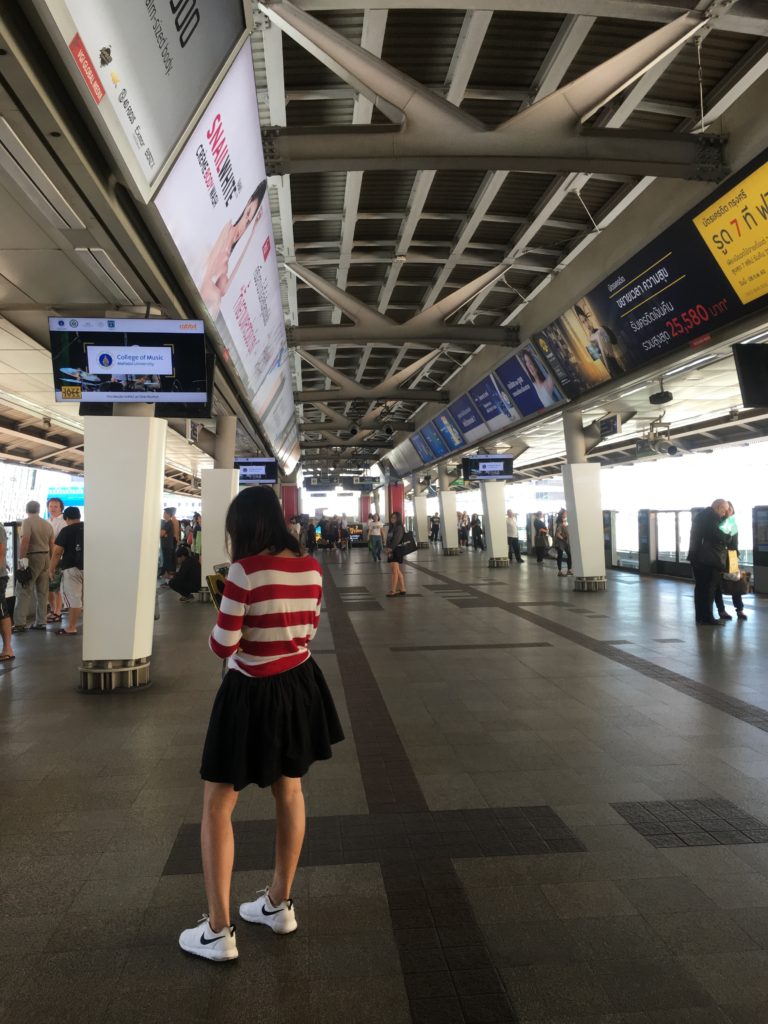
215, 206
493, 404
157, 361
487, 467
529, 382
422, 448
433, 438
145, 67
469, 420
752, 370
256, 471
449, 432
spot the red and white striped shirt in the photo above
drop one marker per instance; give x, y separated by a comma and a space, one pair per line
269, 612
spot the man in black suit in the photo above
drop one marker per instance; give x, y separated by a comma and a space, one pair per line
707, 555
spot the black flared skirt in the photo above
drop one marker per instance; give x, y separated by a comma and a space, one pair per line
261, 729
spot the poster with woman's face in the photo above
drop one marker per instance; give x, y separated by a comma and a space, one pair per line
215, 206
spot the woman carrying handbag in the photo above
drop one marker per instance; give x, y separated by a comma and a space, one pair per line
734, 587
395, 538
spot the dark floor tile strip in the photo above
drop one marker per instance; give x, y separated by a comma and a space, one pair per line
740, 709
469, 647
446, 920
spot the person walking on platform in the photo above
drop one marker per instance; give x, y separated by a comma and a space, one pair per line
434, 523
35, 552
731, 530
5, 619
395, 536
55, 508
273, 715
476, 529
540, 537
513, 539
563, 543
707, 555
375, 537
68, 556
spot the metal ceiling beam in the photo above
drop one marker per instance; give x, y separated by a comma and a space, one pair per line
350, 389
356, 391
559, 58
428, 132
371, 327
748, 18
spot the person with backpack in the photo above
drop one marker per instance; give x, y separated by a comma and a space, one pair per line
68, 552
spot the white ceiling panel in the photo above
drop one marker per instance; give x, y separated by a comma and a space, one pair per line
48, 277
20, 231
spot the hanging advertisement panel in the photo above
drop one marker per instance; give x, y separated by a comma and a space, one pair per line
434, 440
422, 448
493, 404
529, 382
449, 432
146, 65
214, 204
472, 425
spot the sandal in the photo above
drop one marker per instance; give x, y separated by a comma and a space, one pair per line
65, 632
392, 593
19, 629
53, 618
7, 657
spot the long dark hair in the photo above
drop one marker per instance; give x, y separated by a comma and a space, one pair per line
255, 523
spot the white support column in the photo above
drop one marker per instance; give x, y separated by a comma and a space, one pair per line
124, 463
494, 515
219, 487
581, 482
449, 526
420, 520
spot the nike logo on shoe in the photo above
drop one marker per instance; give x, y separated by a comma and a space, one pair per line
271, 913
207, 942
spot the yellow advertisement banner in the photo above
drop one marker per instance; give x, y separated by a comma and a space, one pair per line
735, 230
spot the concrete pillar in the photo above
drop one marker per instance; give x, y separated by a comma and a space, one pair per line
219, 486
420, 520
289, 497
226, 436
124, 469
396, 499
495, 522
581, 482
449, 526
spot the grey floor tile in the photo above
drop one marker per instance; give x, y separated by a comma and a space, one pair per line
642, 984
553, 991
665, 895
696, 932
587, 899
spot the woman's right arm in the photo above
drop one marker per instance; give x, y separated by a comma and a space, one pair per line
228, 631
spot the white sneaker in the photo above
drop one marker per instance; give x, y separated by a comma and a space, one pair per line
203, 941
280, 918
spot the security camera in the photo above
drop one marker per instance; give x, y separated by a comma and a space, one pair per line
665, 447
388, 431
353, 430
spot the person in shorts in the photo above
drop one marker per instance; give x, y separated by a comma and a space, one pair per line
273, 715
68, 554
5, 619
35, 551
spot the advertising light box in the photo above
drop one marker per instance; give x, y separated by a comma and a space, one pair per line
422, 448
157, 361
434, 440
493, 404
471, 423
144, 67
449, 432
529, 381
215, 206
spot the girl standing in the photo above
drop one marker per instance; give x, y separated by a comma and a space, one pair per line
395, 536
375, 531
563, 544
272, 717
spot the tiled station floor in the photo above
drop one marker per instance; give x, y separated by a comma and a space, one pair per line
550, 808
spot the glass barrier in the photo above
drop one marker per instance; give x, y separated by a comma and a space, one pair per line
666, 536
626, 541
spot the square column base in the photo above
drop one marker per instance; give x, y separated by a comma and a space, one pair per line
109, 676
498, 563
590, 583
451, 551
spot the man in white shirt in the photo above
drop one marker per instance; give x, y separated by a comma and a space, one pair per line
55, 508
513, 543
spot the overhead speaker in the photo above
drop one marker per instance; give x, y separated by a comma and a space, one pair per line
660, 397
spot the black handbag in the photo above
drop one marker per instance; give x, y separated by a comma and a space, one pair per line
408, 545
24, 576
739, 586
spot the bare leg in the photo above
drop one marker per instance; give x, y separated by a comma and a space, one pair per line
393, 577
218, 847
5, 633
400, 578
291, 821
74, 615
